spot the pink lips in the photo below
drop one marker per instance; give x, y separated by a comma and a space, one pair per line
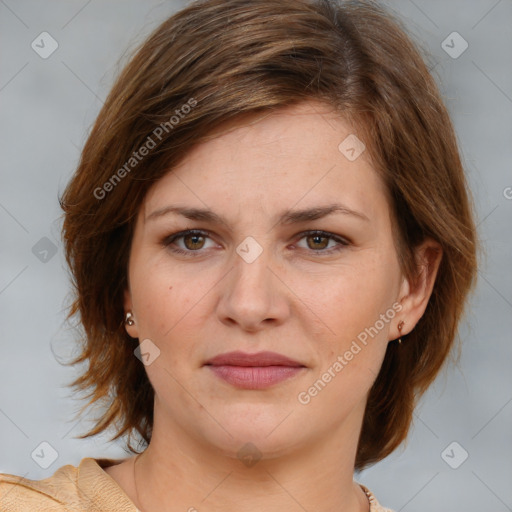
253, 371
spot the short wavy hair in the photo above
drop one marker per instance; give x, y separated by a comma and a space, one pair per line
224, 59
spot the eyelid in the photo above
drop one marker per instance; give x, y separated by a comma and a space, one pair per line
168, 240
342, 241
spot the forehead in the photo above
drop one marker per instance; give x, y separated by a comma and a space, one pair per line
297, 154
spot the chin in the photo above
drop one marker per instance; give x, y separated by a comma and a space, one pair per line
255, 435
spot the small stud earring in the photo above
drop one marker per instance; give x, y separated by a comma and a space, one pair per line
129, 319
400, 327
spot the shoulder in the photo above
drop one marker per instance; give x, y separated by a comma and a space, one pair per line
82, 487
18, 493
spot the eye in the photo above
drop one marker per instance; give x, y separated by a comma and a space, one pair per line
193, 240
317, 241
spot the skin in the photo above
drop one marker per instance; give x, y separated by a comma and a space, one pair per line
296, 298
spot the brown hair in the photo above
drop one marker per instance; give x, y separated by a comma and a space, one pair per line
226, 58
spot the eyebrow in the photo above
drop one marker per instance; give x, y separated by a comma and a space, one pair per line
286, 217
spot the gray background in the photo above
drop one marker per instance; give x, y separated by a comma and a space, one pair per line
47, 107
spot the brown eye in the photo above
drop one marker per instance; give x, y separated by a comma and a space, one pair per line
317, 241
193, 241
189, 242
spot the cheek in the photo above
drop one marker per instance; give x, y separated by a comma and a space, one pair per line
356, 311
153, 289
170, 301
165, 315
359, 313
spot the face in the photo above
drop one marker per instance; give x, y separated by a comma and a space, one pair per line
292, 253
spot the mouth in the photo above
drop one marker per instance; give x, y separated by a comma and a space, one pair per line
259, 359
254, 371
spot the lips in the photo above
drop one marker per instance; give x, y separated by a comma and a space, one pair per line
259, 359
254, 371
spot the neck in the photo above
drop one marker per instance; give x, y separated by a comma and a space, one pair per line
177, 473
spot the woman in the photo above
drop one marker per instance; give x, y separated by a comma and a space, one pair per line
272, 244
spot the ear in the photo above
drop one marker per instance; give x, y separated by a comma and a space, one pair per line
132, 330
416, 293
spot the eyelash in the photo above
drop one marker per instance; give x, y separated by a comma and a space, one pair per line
171, 238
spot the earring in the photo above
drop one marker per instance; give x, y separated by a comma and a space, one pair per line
400, 327
129, 318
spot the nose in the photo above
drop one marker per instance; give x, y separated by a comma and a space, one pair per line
253, 295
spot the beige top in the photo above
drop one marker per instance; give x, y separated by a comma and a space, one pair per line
83, 488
